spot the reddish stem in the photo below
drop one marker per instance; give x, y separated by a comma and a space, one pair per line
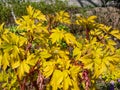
28, 47
86, 79
87, 34
22, 84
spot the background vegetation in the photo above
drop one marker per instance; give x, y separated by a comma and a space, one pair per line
11, 9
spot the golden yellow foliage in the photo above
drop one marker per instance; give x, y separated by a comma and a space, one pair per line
56, 53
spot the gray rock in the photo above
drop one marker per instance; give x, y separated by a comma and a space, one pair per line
82, 3
79, 3
111, 3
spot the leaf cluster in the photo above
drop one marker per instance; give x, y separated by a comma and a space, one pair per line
42, 53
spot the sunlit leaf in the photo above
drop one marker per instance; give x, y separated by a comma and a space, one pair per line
63, 17
30, 10
66, 81
70, 39
56, 79
16, 64
5, 61
115, 33
1, 26
77, 52
24, 67
48, 68
45, 54
57, 35
91, 18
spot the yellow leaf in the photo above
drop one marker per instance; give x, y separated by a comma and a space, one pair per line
0, 60
45, 54
63, 54
31, 59
74, 70
30, 10
21, 71
115, 33
107, 28
16, 65
99, 69
111, 45
75, 85
67, 81
76, 52
63, 17
70, 39
1, 26
89, 66
48, 71
24, 67
112, 67
86, 61
56, 79
91, 18
67, 64
5, 61
0, 41
4, 37
93, 41
57, 35
98, 61
48, 68
15, 51
22, 41
38, 15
